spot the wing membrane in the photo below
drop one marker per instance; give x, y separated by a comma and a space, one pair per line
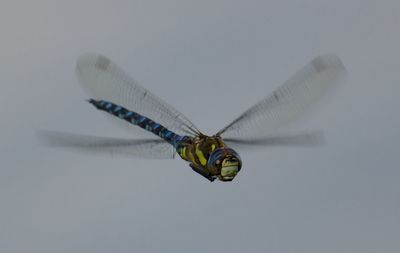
145, 148
305, 139
104, 80
289, 102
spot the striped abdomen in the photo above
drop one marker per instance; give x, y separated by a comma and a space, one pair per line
139, 120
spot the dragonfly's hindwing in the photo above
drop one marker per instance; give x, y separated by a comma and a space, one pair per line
143, 148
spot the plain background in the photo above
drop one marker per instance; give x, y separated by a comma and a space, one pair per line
211, 60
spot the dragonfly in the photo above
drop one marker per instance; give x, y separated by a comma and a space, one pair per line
112, 91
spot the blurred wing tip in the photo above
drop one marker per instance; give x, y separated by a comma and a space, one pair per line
316, 138
328, 61
47, 137
95, 60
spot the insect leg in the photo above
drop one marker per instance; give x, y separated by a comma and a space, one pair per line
202, 172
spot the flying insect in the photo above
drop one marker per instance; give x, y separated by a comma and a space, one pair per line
119, 96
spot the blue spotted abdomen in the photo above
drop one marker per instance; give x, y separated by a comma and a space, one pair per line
139, 120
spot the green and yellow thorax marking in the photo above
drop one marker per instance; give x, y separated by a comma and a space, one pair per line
198, 149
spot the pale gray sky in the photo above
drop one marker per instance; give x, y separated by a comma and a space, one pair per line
211, 60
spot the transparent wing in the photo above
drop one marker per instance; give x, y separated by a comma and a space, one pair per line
146, 148
289, 102
305, 139
104, 80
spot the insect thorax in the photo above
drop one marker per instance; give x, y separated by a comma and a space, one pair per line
198, 149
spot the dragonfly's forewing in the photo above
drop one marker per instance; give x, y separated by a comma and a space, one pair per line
146, 148
289, 102
104, 80
303, 139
